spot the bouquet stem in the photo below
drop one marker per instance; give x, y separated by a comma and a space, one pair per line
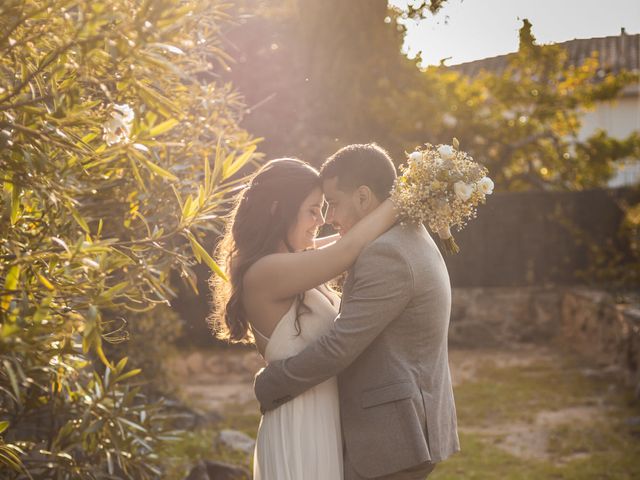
448, 242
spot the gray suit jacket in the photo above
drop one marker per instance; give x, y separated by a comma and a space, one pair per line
388, 348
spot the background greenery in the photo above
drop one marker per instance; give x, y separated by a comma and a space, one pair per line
92, 231
331, 73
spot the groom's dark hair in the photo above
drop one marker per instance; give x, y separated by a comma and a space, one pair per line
361, 164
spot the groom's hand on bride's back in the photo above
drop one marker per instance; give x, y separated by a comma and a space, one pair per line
256, 380
263, 390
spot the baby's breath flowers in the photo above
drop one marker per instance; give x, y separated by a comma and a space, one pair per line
441, 187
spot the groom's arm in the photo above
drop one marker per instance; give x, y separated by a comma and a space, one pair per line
382, 287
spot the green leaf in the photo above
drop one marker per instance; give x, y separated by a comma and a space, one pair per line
168, 48
101, 354
43, 280
207, 174
129, 374
88, 337
8, 457
201, 254
178, 196
218, 164
15, 204
3, 426
160, 171
62, 243
188, 210
158, 101
113, 291
9, 329
151, 117
121, 364
89, 136
191, 278
110, 468
78, 218
131, 424
43, 311
136, 175
202, 196
240, 162
10, 283
163, 127
141, 147
12, 378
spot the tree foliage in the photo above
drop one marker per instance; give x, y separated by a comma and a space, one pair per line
523, 123
119, 146
326, 74
420, 9
310, 69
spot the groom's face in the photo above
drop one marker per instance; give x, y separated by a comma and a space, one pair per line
342, 211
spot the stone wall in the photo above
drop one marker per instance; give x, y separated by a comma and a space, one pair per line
501, 316
590, 322
597, 326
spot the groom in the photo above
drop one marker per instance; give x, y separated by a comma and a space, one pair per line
388, 346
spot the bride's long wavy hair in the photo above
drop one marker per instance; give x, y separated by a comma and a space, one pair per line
260, 220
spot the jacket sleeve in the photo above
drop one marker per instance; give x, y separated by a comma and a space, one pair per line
382, 287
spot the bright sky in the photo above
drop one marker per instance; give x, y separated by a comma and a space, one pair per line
467, 30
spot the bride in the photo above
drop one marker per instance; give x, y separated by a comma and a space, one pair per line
276, 297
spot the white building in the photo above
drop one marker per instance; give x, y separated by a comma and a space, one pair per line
620, 117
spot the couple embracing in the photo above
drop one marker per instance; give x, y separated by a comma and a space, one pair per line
357, 386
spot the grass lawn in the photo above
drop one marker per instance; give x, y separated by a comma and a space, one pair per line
550, 418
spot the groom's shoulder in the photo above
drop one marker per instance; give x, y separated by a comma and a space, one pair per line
401, 236
411, 242
396, 241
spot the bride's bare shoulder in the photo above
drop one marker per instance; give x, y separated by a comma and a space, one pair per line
262, 270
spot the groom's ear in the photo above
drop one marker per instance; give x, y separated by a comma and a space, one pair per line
364, 198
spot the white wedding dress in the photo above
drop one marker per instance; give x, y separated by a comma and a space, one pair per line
301, 439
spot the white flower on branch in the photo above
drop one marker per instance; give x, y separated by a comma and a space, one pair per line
118, 128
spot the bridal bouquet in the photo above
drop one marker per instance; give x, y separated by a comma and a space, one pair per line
441, 187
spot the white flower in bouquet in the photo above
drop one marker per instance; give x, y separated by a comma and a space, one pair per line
485, 185
415, 156
446, 152
118, 128
462, 190
441, 187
